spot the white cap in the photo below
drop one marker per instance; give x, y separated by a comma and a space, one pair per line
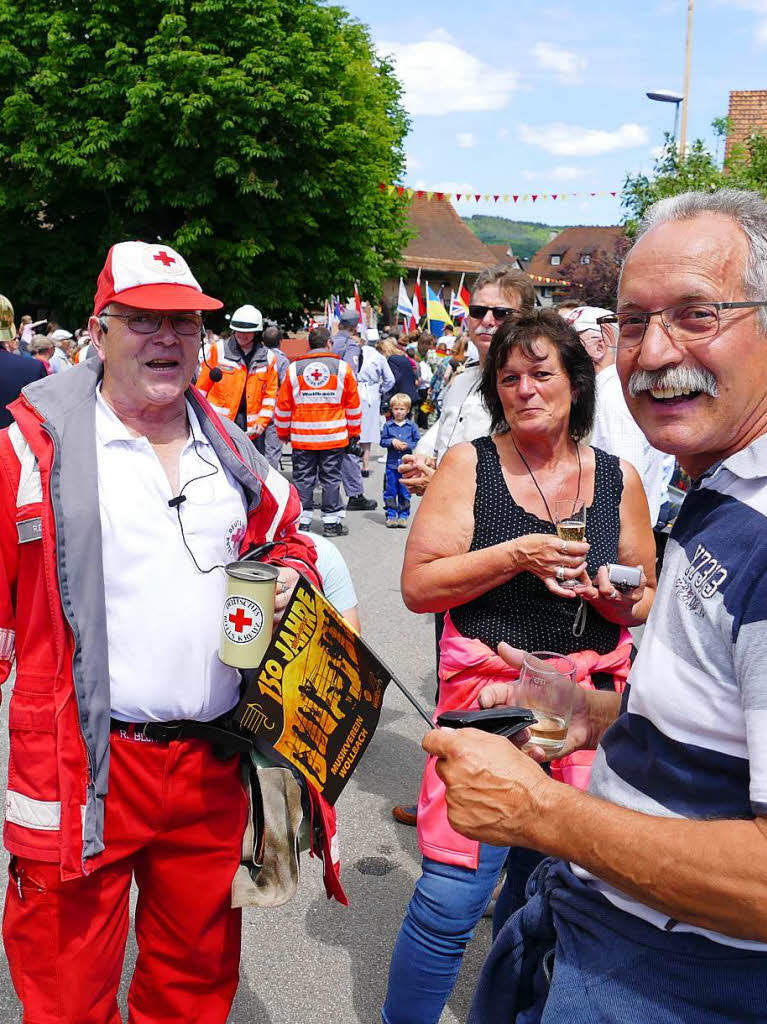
60, 335
152, 277
246, 319
584, 318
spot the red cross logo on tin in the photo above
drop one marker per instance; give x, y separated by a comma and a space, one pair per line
164, 258
240, 621
243, 619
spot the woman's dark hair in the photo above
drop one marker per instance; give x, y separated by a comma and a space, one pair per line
522, 333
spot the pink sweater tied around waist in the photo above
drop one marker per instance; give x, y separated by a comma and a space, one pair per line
467, 666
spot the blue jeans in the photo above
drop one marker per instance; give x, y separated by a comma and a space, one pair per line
396, 495
520, 864
446, 905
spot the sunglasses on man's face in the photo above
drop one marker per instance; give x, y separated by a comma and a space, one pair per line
499, 312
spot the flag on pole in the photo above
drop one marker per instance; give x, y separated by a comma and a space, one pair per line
418, 305
334, 314
437, 314
459, 301
404, 305
357, 299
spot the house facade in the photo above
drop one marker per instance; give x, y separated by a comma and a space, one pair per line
571, 248
747, 114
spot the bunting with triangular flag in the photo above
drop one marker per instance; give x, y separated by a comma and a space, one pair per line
496, 197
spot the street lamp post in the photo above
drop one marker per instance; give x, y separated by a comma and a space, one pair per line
666, 96
687, 57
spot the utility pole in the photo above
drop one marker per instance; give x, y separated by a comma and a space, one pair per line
686, 89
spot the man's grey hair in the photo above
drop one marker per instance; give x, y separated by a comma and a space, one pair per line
747, 209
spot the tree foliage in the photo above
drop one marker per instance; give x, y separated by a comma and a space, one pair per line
699, 170
524, 237
596, 283
250, 135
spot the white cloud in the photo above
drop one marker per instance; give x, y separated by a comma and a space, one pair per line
759, 8
446, 186
572, 140
555, 174
657, 152
413, 162
501, 133
567, 66
441, 78
466, 140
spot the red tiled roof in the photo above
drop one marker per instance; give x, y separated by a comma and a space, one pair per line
569, 244
747, 113
442, 241
500, 252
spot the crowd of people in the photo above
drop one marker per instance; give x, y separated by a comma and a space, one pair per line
626, 876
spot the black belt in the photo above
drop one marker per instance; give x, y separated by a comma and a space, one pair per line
219, 732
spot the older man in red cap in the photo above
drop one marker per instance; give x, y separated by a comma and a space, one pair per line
122, 496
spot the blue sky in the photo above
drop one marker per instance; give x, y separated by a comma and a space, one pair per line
551, 98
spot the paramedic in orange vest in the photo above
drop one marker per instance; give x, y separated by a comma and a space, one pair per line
318, 411
247, 390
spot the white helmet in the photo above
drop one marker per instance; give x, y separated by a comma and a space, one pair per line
246, 319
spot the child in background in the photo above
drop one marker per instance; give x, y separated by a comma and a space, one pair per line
399, 436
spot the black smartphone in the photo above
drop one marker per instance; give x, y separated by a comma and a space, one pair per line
501, 721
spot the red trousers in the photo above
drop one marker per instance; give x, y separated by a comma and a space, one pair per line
174, 820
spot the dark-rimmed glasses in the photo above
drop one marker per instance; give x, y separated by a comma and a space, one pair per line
183, 324
686, 324
499, 312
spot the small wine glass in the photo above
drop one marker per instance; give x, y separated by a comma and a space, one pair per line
570, 523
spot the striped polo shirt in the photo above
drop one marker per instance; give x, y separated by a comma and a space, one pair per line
691, 740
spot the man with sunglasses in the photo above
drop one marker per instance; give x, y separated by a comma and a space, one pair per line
122, 496
498, 292
656, 906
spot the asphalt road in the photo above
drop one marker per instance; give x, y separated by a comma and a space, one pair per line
314, 961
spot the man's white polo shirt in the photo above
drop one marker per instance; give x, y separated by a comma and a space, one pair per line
163, 615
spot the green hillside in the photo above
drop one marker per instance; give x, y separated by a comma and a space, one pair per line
526, 237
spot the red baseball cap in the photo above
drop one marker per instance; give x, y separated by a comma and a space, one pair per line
149, 277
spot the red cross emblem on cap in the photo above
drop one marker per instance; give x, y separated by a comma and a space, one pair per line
239, 620
164, 258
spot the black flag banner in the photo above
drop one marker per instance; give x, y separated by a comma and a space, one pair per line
317, 695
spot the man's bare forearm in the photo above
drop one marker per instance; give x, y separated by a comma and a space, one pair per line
712, 874
604, 707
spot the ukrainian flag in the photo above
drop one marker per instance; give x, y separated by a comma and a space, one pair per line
436, 314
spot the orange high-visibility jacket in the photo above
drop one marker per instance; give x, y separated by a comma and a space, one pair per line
225, 395
318, 407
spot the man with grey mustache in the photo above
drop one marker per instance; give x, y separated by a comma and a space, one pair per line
653, 905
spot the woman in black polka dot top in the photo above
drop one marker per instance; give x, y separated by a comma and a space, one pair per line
484, 548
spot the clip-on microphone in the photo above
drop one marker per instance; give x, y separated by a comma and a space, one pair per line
175, 502
213, 371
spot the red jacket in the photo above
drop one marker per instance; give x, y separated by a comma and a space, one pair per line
52, 614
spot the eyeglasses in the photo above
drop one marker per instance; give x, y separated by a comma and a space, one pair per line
686, 324
149, 323
499, 312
